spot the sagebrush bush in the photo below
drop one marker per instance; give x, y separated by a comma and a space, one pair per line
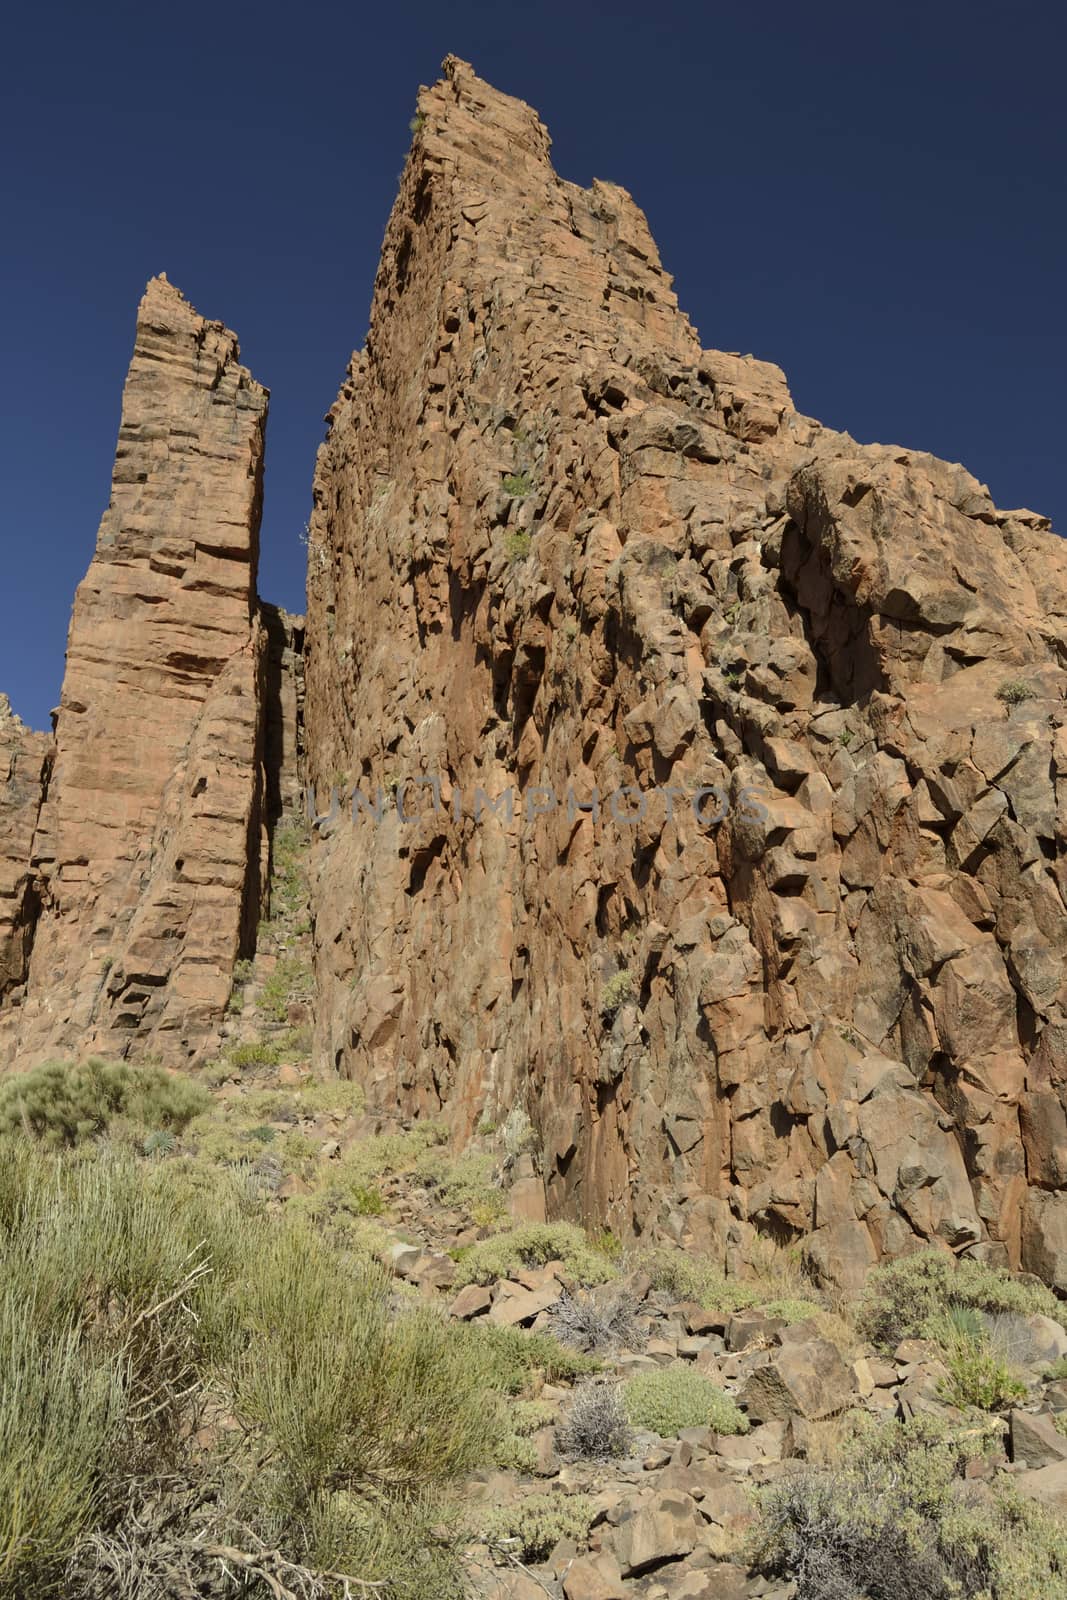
597, 1325
674, 1398
908, 1298
63, 1102
532, 1528
532, 1244
895, 1519
595, 1426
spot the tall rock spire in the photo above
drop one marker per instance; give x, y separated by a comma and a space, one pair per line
560, 549
146, 851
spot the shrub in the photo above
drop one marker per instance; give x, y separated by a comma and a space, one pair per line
463, 1181
1013, 691
517, 484
674, 1398
160, 1143
61, 1414
532, 1244
518, 543
615, 993
896, 1520
977, 1378
908, 1298
588, 1324
135, 1299
290, 980
514, 1357
596, 1427
532, 1528
62, 1103
255, 1053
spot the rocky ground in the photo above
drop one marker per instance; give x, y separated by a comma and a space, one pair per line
641, 1511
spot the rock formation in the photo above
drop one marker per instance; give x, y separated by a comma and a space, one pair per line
559, 549
24, 762
691, 780
147, 852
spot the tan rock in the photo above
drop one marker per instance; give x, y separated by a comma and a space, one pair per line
809, 1380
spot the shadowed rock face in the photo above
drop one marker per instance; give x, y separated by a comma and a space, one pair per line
555, 543
147, 851
24, 762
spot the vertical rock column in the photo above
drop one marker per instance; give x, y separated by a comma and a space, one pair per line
24, 760
149, 844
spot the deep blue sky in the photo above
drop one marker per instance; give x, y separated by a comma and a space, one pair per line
869, 195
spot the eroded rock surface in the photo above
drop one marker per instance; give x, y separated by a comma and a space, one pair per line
147, 850
24, 762
559, 549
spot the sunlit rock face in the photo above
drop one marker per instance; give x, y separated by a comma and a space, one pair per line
146, 852
559, 549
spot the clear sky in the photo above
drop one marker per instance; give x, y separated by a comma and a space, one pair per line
871, 196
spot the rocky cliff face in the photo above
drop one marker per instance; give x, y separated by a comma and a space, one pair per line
147, 852
24, 762
699, 776
559, 549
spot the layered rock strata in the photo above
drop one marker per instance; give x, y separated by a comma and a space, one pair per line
558, 548
147, 851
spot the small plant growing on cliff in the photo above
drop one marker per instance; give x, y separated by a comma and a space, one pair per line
517, 545
615, 993
417, 123
1013, 691
517, 484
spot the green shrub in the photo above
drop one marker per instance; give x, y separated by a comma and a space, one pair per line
518, 542
1013, 691
137, 1297
62, 1103
532, 1244
160, 1143
977, 1377
517, 484
462, 1181
616, 992
896, 1520
674, 1398
514, 1357
683, 1276
906, 1299
532, 1528
255, 1053
61, 1416
290, 980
